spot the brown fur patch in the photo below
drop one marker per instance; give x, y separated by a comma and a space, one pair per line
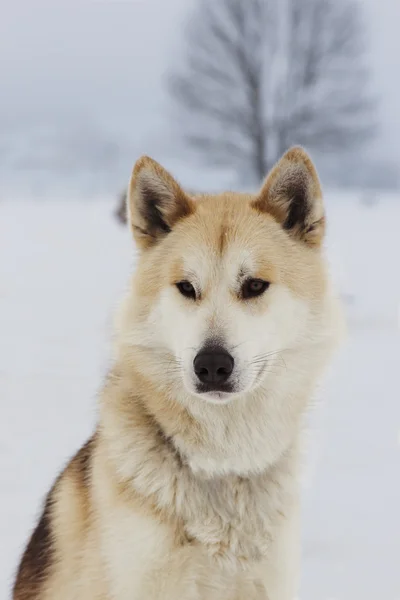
222, 238
81, 463
38, 557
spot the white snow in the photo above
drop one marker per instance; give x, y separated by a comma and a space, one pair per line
63, 266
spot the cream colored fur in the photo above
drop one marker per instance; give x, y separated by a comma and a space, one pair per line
184, 495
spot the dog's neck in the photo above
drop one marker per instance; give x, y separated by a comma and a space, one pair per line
168, 457
238, 438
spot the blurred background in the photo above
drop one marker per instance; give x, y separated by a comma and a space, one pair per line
215, 90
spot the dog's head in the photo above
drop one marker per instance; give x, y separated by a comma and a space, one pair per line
230, 290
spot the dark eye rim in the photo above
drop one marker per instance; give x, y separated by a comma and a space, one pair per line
248, 294
186, 292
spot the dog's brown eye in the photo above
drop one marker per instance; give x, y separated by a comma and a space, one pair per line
254, 287
186, 289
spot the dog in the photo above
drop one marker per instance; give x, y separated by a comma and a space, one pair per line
189, 487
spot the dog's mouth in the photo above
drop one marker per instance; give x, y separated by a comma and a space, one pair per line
215, 392
211, 388
223, 392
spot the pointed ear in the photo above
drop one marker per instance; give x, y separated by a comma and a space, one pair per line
155, 202
292, 194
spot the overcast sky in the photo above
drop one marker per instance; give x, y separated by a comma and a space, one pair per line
104, 62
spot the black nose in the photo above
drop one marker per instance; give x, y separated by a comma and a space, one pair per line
213, 366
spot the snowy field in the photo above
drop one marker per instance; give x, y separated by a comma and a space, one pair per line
63, 266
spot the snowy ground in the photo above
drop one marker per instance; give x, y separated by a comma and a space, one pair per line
62, 268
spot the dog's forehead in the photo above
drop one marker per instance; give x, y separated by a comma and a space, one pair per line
226, 237
205, 262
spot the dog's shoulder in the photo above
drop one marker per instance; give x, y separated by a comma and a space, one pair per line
40, 556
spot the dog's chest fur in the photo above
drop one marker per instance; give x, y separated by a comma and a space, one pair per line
237, 517
233, 518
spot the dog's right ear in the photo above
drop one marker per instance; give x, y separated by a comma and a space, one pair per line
155, 202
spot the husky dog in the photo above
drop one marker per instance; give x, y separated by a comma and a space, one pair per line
188, 489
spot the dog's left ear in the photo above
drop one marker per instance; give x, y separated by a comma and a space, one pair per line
292, 194
155, 202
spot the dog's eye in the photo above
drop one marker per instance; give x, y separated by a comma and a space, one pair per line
186, 289
254, 287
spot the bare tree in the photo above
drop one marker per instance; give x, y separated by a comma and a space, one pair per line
260, 75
